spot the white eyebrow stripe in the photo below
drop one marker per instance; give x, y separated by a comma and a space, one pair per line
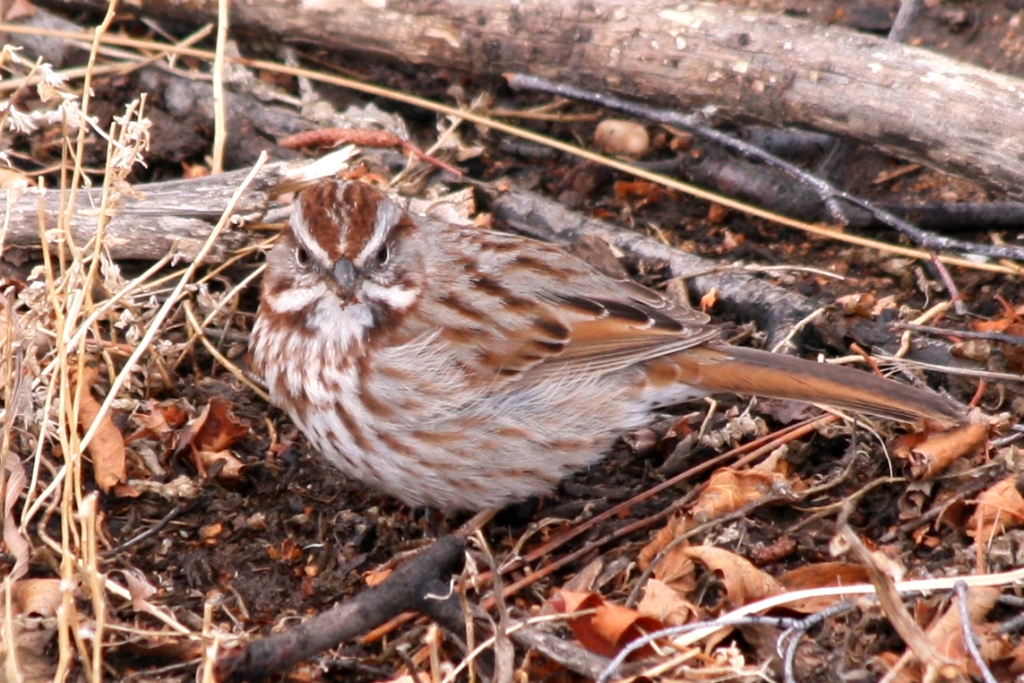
388, 214
300, 228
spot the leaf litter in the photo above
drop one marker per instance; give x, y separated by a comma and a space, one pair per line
164, 437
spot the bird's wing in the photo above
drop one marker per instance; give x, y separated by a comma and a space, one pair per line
522, 310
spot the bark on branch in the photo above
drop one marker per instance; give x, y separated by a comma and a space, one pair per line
777, 69
150, 220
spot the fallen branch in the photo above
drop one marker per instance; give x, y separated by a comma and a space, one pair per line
419, 585
155, 219
749, 65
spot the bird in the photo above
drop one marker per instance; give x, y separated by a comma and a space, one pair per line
461, 368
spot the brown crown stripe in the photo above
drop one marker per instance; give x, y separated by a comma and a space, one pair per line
321, 211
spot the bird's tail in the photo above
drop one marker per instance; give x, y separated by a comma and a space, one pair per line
722, 368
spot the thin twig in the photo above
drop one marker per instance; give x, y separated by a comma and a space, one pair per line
970, 640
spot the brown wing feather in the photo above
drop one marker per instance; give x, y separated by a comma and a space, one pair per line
620, 333
547, 311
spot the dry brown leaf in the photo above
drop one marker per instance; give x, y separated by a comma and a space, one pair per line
36, 597
946, 633
609, 627
107, 446
376, 577
140, 589
584, 579
821, 575
743, 582
666, 604
730, 489
159, 422
210, 435
34, 604
222, 464
17, 545
217, 428
859, 305
675, 568
717, 213
1000, 507
930, 454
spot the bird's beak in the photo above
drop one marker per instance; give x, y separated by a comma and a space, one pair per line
344, 275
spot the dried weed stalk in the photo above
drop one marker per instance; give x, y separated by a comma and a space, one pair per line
76, 310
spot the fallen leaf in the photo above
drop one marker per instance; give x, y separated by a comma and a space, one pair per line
223, 465
217, 428
674, 567
717, 214
930, 454
584, 579
1000, 507
210, 436
858, 305
36, 597
158, 422
604, 628
140, 589
31, 629
821, 575
742, 582
376, 577
947, 634
211, 531
107, 446
730, 489
707, 302
666, 604
18, 546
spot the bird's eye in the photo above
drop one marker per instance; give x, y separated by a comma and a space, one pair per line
302, 256
382, 256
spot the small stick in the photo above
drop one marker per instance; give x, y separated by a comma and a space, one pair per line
335, 137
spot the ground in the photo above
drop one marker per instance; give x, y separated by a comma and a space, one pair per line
285, 536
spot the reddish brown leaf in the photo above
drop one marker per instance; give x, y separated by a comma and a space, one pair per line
666, 604
930, 454
158, 423
743, 582
1000, 507
821, 575
605, 628
674, 568
217, 428
107, 446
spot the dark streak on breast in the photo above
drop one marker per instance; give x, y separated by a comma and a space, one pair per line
354, 429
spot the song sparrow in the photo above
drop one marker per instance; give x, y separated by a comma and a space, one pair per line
464, 369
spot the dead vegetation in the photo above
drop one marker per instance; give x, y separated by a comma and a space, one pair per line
159, 518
